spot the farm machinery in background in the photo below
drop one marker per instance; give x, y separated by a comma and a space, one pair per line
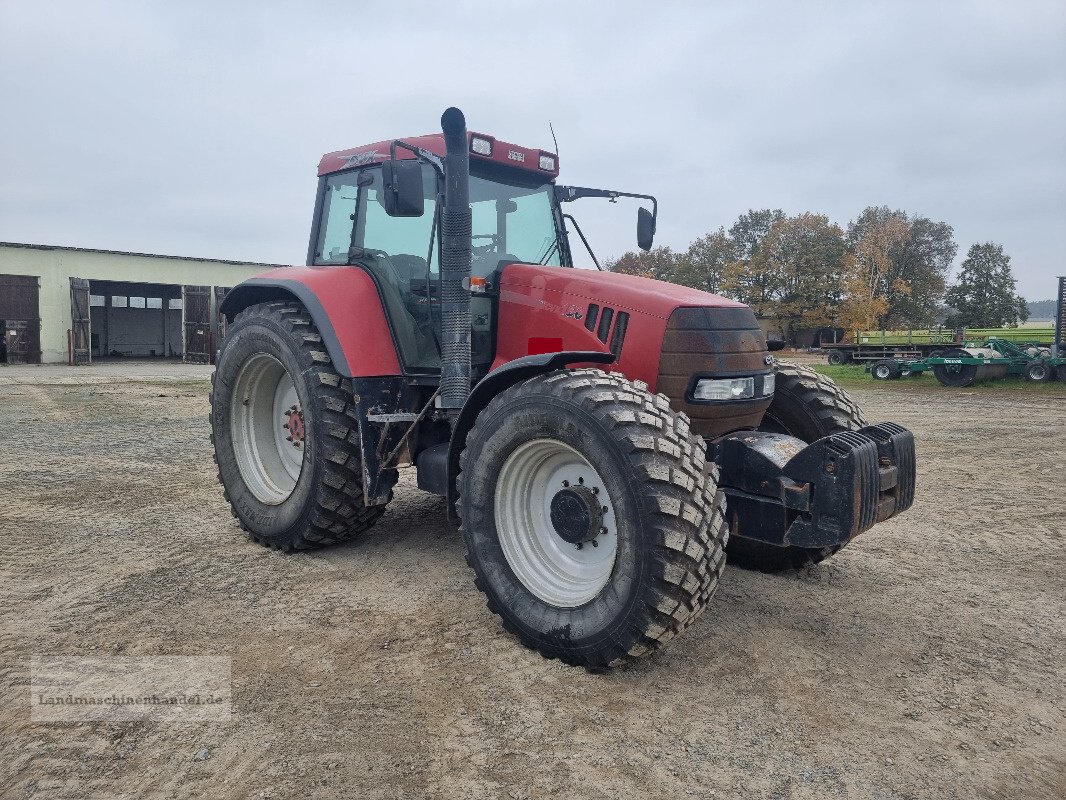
603, 438
911, 345
988, 359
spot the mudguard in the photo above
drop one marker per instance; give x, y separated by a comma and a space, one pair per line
345, 305
497, 381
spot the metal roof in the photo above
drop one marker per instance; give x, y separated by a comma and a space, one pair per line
142, 255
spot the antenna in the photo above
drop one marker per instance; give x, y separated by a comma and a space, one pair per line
553, 138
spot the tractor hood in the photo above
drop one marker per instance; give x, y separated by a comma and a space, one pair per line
624, 292
665, 335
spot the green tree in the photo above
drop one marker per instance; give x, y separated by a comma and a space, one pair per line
985, 293
914, 281
750, 229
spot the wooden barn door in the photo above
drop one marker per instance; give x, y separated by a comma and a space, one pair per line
80, 327
196, 319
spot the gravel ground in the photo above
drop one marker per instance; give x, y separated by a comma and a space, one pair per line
925, 661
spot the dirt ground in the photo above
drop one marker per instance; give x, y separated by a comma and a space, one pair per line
928, 660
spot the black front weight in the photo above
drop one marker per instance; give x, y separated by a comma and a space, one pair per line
784, 492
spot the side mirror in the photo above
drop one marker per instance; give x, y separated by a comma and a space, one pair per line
645, 229
403, 195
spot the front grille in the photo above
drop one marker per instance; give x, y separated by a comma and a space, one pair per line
713, 342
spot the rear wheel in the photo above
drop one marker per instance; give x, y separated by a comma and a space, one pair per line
806, 405
837, 357
285, 438
589, 521
1038, 371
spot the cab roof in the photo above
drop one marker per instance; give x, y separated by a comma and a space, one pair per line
506, 154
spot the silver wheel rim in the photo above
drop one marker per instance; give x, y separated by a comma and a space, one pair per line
554, 570
268, 430
882, 371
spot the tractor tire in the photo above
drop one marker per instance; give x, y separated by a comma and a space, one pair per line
275, 387
592, 520
887, 369
837, 358
806, 405
1038, 371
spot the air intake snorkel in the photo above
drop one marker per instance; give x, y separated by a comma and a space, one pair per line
455, 229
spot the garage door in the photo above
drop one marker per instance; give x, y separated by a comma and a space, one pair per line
20, 319
196, 316
80, 327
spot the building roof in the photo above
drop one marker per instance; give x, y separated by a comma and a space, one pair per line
141, 255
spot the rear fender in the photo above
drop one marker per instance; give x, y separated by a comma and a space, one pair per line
343, 303
499, 380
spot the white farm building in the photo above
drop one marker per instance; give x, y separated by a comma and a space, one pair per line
75, 305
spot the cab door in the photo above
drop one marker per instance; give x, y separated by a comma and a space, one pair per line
401, 254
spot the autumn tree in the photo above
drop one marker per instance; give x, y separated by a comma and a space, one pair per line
797, 273
864, 304
660, 263
914, 281
985, 293
705, 261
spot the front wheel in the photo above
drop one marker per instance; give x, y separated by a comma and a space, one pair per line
887, 369
591, 520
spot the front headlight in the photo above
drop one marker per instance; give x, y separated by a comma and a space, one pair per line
769, 383
724, 389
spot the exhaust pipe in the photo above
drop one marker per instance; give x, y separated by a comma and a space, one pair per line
455, 263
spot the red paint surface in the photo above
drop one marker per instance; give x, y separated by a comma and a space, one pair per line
544, 344
553, 302
434, 143
351, 300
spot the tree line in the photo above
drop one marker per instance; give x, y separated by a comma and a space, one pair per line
887, 270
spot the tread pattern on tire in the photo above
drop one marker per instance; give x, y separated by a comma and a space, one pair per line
670, 462
340, 513
834, 411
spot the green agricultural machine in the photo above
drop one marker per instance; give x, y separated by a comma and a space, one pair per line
965, 366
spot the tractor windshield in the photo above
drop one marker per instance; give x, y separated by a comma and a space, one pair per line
513, 221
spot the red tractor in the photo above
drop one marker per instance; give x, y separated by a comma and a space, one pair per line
601, 436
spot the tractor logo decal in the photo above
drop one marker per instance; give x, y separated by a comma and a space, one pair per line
573, 312
768, 360
360, 158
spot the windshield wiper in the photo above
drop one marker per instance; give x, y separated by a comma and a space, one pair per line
552, 249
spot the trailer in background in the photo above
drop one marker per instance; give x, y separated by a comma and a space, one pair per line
870, 346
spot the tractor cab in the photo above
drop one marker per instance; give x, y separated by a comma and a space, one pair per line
516, 218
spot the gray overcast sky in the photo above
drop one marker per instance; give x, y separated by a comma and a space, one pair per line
195, 128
